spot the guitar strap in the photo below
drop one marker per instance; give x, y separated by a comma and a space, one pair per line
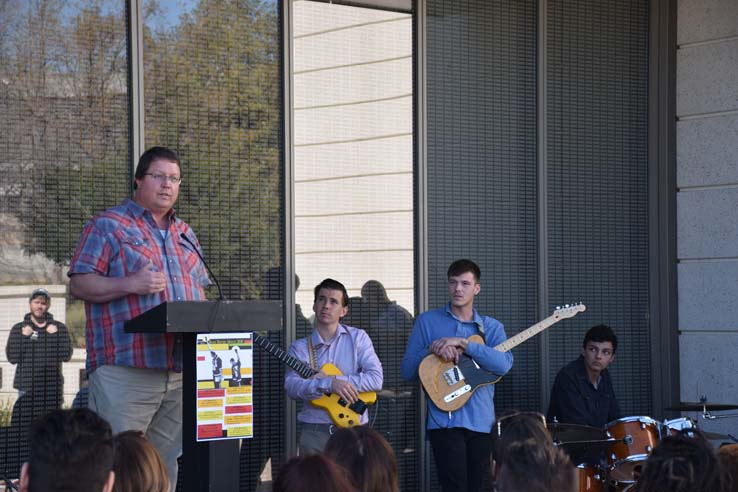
311, 350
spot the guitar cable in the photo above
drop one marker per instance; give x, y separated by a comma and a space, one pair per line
373, 418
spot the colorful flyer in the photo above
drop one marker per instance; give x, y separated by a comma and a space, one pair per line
224, 386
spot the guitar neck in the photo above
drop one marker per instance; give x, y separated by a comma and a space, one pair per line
296, 365
524, 335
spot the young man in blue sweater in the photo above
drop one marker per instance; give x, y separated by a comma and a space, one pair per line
460, 439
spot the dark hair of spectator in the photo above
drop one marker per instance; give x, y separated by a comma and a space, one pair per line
367, 456
138, 466
70, 450
331, 284
517, 427
310, 473
154, 153
599, 334
683, 462
460, 267
531, 466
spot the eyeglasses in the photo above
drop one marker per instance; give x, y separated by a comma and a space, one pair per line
174, 180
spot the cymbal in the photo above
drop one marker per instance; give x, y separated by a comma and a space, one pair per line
582, 452
563, 433
696, 406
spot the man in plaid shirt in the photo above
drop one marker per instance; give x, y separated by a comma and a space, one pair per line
130, 259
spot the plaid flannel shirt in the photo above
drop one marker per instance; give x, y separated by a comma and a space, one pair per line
116, 243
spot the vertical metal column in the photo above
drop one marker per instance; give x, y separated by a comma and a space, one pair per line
542, 205
136, 83
664, 322
421, 211
289, 210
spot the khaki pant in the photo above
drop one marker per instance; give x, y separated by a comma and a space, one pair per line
149, 400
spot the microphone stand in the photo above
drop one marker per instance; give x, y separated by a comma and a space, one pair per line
221, 297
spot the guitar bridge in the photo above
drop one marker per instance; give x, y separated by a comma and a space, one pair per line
453, 376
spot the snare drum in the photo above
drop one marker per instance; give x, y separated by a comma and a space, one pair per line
637, 436
591, 479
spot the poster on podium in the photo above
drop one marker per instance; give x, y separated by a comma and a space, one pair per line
224, 386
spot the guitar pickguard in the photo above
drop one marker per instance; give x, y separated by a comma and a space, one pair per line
455, 375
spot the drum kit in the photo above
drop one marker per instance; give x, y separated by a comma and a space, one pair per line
622, 446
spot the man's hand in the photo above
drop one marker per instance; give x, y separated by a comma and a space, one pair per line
27, 331
147, 280
342, 388
51, 328
449, 348
345, 390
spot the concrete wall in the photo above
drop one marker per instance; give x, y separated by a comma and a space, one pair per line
13, 306
707, 201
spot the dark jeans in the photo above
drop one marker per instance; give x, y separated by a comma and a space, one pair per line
462, 458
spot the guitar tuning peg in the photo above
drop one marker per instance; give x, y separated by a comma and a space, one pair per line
557, 307
566, 305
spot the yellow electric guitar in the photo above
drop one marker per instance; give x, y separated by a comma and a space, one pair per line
342, 414
451, 385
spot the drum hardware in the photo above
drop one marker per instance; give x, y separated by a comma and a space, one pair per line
682, 424
704, 406
591, 478
709, 416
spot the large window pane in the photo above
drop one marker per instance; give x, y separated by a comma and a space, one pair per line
212, 92
353, 114
63, 157
482, 170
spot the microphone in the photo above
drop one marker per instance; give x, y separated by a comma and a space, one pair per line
221, 297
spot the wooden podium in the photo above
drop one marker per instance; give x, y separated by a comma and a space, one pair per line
213, 465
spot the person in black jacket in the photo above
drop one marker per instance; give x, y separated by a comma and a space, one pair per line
38, 345
582, 392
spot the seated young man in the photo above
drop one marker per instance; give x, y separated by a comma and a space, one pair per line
582, 392
71, 450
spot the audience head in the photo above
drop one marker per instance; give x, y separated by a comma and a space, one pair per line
311, 472
138, 466
683, 462
517, 427
728, 456
367, 456
70, 450
532, 466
